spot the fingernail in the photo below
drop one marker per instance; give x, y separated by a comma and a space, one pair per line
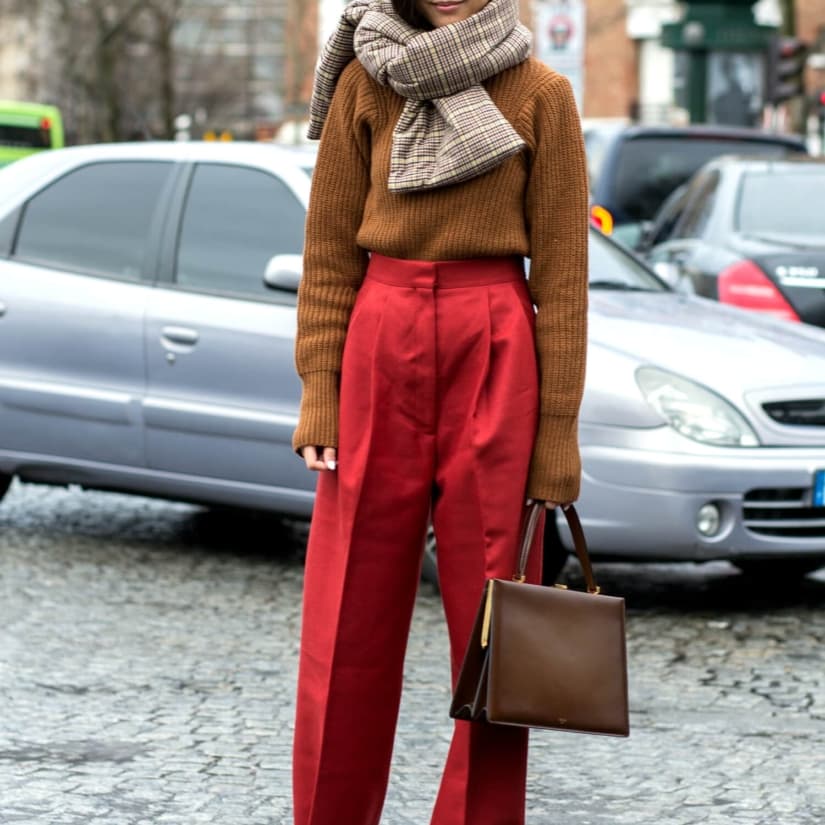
332, 464
528, 502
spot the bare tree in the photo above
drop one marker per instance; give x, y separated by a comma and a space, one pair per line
88, 42
120, 68
164, 17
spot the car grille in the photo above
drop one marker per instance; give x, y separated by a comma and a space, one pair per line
809, 412
783, 512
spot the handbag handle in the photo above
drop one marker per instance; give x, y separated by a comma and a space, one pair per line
579, 543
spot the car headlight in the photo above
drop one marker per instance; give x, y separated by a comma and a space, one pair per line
693, 410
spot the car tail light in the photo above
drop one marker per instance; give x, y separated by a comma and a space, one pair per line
601, 219
745, 285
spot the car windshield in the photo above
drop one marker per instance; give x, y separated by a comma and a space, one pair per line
796, 197
611, 267
596, 142
650, 168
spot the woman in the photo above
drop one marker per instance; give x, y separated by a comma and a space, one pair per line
447, 155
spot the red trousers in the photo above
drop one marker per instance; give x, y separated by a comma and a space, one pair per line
438, 412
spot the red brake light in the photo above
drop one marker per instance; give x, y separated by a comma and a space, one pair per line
45, 123
745, 285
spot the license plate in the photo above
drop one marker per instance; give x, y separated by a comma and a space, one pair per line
819, 488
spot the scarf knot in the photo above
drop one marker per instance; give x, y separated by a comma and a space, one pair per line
449, 130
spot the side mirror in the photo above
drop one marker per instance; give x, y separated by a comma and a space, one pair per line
284, 272
674, 277
627, 234
645, 232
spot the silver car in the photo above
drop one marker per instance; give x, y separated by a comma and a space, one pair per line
147, 317
702, 427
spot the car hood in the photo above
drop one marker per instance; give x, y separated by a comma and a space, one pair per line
732, 351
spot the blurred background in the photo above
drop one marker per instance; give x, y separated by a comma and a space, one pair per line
194, 69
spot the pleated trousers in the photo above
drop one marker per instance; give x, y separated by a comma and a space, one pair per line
438, 413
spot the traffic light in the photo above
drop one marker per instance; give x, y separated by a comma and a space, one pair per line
786, 69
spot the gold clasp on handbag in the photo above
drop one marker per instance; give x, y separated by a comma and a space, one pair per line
488, 610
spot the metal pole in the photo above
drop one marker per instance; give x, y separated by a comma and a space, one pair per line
697, 86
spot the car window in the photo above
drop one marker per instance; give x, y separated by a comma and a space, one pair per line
797, 202
28, 137
650, 168
699, 205
95, 219
596, 142
668, 217
236, 219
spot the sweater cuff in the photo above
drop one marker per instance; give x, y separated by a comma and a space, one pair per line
318, 420
555, 469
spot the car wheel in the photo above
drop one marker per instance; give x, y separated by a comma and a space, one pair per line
779, 569
5, 481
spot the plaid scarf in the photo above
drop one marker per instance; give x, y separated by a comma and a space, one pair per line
450, 130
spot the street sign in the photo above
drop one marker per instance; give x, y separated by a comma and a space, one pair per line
560, 39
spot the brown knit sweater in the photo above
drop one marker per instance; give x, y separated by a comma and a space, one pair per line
535, 204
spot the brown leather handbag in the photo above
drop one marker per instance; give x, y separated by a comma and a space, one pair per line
546, 657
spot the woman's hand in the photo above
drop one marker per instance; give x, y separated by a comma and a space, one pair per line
320, 458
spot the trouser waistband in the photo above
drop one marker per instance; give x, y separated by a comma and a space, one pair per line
445, 274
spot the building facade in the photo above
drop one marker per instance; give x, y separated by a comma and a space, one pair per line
810, 26
13, 63
245, 68
231, 64
24, 57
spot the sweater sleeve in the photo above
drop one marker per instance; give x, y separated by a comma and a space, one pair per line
557, 214
333, 263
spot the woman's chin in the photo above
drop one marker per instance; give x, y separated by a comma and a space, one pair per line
442, 14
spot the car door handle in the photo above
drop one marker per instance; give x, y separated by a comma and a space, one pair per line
180, 335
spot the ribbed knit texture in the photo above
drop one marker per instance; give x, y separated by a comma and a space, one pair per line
534, 204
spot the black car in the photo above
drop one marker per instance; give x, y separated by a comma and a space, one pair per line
748, 232
633, 169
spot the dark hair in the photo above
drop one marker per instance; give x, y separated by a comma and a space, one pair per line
408, 10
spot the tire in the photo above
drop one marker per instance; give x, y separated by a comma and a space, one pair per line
779, 569
5, 481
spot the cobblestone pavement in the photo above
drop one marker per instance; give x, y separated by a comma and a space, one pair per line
147, 665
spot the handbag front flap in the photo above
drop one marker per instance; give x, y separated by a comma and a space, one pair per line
557, 659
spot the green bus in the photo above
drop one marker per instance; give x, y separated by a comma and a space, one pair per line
26, 128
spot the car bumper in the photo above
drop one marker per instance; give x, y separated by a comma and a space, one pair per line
644, 504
